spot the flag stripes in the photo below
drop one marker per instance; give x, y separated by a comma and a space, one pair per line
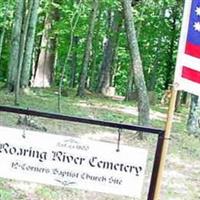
192, 50
191, 74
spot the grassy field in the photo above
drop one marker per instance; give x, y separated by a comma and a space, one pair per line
182, 174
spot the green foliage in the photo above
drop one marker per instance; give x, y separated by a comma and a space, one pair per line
121, 80
154, 23
158, 40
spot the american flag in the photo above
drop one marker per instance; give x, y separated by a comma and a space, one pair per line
187, 75
193, 37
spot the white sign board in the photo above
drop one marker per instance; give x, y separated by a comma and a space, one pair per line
71, 162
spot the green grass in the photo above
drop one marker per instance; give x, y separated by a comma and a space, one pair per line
5, 194
47, 193
46, 100
98, 107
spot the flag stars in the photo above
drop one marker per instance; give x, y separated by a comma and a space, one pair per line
197, 11
197, 26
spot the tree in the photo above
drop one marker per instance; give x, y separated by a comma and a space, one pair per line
74, 62
86, 57
171, 62
153, 75
73, 24
46, 59
15, 44
156, 22
136, 64
4, 27
110, 47
193, 123
159, 28
22, 45
24, 32
27, 61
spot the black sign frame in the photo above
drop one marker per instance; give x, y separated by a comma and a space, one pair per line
145, 130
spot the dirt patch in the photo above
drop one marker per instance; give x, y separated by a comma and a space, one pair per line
130, 110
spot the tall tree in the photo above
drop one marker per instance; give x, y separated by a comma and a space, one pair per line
15, 44
27, 61
143, 100
2, 35
46, 60
130, 85
24, 32
110, 46
74, 62
193, 123
94, 65
86, 57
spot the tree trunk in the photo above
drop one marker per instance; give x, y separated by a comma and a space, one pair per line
15, 44
143, 100
1, 40
186, 98
86, 58
74, 62
4, 27
94, 67
193, 123
130, 90
27, 62
45, 65
24, 32
109, 52
178, 101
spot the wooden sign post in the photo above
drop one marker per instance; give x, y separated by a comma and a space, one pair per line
161, 154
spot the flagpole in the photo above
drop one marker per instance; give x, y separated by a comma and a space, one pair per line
165, 146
